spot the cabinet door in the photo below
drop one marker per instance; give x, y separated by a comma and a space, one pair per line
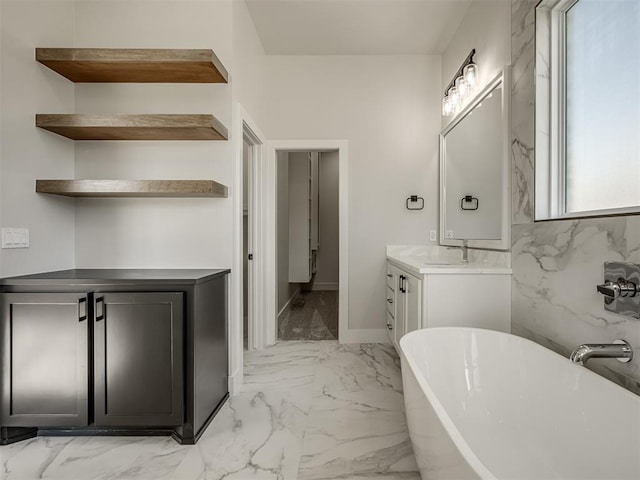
45, 354
138, 359
413, 303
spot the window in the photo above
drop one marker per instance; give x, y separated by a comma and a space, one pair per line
587, 108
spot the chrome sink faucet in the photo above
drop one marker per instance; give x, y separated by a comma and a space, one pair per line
465, 252
619, 349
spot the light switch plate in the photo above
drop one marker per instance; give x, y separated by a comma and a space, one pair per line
432, 236
15, 238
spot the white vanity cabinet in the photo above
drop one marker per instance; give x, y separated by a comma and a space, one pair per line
446, 296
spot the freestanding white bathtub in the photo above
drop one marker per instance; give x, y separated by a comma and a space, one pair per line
485, 404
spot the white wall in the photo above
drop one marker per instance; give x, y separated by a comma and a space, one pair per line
26, 152
487, 28
388, 109
249, 59
154, 233
327, 266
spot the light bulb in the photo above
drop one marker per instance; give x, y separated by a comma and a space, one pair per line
446, 107
462, 86
453, 97
471, 74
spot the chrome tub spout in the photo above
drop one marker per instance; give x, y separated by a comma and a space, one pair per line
619, 349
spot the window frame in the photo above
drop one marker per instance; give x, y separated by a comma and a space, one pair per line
550, 117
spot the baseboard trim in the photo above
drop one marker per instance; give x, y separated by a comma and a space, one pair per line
235, 383
325, 286
287, 305
365, 335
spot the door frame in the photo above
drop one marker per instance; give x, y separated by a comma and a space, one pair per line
245, 128
268, 201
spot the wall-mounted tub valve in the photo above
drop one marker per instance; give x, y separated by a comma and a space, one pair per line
621, 288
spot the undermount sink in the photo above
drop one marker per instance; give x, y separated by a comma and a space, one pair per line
436, 262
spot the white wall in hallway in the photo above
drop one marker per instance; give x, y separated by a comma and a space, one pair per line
388, 109
27, 152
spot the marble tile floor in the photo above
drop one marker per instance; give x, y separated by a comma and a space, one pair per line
313, 316
307, 410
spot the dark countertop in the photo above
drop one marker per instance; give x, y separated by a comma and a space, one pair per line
91, 276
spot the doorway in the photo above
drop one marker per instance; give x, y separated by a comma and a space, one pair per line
262, 227
246, 251
247, 276
307, 217
268, 198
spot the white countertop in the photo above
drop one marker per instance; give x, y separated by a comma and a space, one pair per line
423, 265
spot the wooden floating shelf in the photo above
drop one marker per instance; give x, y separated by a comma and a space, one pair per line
109, 65
80, 126
132, 188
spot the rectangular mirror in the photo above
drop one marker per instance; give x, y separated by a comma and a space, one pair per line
475, 173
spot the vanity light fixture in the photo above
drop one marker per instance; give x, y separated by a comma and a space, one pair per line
461, 86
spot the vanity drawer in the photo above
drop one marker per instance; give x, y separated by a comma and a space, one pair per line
391, 307
390, 282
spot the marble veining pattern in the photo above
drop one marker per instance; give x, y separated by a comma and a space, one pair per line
308, 410
522, 106
453, 255
557, 264
556, 267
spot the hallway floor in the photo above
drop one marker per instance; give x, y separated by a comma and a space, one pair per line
312, 316
308, 410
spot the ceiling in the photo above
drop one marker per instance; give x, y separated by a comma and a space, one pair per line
356, 27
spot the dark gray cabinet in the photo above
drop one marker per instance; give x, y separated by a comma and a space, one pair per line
138, 358
135, 352
45, 359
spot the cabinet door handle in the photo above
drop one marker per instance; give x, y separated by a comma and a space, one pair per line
389, 300
389, 327
100, 309
82, 309
389, 275
402, 287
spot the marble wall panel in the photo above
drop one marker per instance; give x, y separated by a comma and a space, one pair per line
557, 264
522, 107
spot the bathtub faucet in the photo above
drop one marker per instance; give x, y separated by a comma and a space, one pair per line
619, 349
